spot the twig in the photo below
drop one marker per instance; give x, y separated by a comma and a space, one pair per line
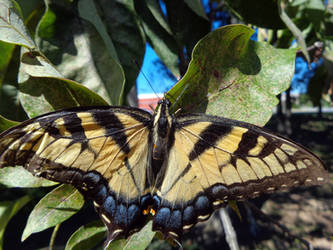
230, 234
284, 229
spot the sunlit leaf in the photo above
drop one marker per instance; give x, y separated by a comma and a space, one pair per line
19, 177
54, 208
6, 124
87, 236
12, 29
44, 89
138, 241
234, 77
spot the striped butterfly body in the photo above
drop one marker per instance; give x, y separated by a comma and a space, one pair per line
175, 169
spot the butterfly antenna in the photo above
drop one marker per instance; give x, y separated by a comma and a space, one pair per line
144, 75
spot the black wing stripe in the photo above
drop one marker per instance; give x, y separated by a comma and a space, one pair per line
49, 126
209, 137
248, 141
73, 124
113, 127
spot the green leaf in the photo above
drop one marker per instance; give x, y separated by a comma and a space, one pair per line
122, 25
196, 6
232, 76
19, 177
79, 52
188, 28
7, 210
87, 236
43, 94
110, 69
160, 39
54, 208
156, 11
262, 13
43, 89
6, 52
6, 124
12, 29
29, 7
10, 106
138, 241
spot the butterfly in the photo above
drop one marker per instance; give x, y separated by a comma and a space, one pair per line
172, 168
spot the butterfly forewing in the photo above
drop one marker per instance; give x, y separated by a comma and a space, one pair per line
101, 151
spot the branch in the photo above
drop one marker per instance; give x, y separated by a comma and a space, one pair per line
230, 234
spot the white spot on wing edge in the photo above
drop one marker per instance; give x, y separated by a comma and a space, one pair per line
203, 217
187, 226
107, 220
173, 234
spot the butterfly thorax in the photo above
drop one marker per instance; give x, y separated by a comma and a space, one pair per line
161, 131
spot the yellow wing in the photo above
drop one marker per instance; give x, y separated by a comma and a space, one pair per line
214, 160
101, 151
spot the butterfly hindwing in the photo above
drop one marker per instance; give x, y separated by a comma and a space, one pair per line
101, 151
214, 160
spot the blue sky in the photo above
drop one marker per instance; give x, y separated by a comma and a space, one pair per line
157, 78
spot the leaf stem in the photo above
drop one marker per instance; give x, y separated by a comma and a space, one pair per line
53, 236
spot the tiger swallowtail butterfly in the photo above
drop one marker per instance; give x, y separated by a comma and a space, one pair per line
173, 168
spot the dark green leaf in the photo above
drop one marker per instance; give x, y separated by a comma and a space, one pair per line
10, 106
262, 13
234, 77
121, 23
87, 236
109, 67
196, 6
7, 210
12, 29
6, 52
157, 13
19, 177
161, 41
54, 208
29, 7
188, 28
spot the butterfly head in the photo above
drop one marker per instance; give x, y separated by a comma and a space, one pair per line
164, 102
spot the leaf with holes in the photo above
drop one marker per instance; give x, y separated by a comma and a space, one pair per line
231, 76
